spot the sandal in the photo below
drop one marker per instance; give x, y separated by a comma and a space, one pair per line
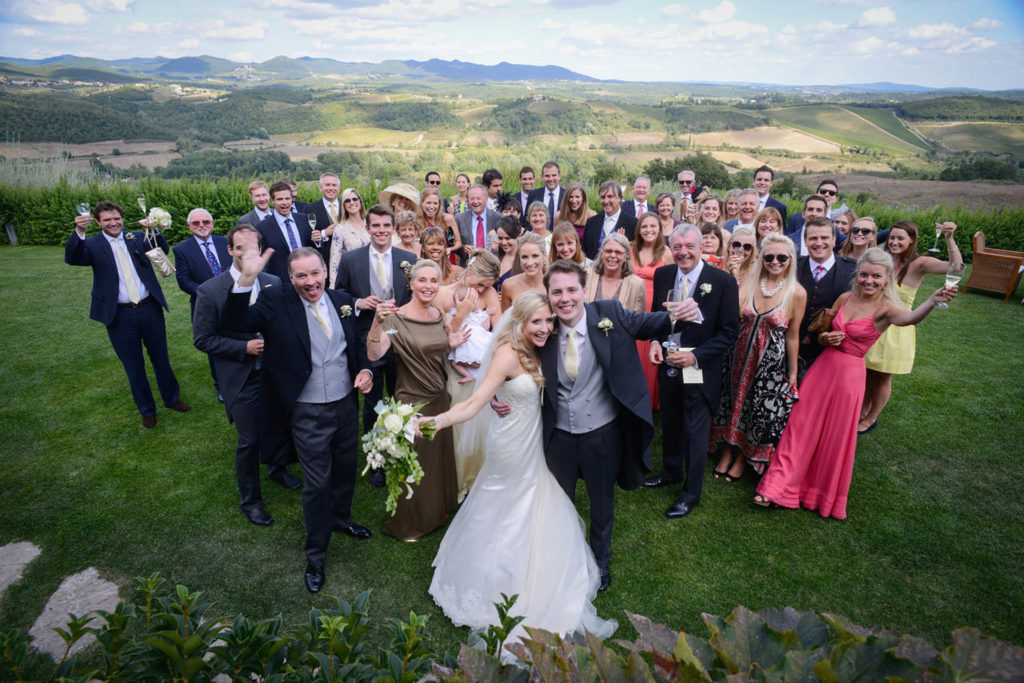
763, 502
731, 479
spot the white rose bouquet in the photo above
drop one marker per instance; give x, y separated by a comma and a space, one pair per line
389, 445
158, 218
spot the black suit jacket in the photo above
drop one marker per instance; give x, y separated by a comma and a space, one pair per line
821, 294
280, 315
778, 206
323, 220
272, 237
354, 278
615, 352
225, 347
95, 251
539, 194
720, 307
191, 267
595, 225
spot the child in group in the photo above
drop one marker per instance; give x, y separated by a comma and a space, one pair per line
473, 302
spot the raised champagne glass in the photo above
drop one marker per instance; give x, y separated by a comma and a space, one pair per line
953, 275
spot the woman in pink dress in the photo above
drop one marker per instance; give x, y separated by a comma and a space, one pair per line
813, 464
649, 253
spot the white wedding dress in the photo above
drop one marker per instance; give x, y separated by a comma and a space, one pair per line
518, 533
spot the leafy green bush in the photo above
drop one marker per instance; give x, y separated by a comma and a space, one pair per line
171, 637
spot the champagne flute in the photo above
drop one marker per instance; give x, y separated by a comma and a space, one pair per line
311, 219
388, 294
953, 275
670, 347
674, 296
82, 208
938, 235
141, 199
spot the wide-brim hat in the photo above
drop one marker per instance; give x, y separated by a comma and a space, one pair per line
400, 189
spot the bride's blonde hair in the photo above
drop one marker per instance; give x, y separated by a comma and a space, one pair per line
512, 334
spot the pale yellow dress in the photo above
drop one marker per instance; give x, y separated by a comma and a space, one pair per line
893, 353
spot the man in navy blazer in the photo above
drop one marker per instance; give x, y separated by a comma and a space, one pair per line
641, 191
313, 361
551, 194
126, 297
285, 230
764, 178
612, 219
475, 223
260, 195
687, 408
358, 275
237, 357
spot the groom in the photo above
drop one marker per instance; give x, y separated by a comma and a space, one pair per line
597, 411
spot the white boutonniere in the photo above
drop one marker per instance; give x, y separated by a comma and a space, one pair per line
605, 326
407, 268
705, 288
345, 311
129, 235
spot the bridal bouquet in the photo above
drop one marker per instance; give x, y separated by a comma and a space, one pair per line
158, 218
389, 445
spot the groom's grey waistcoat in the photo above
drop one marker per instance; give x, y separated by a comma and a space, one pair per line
584, 404
330, 379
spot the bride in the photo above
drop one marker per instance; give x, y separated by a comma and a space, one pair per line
517, 532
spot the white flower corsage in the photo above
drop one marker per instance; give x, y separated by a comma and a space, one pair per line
345, 310
705, 288
159, 219
605, 326
129, 235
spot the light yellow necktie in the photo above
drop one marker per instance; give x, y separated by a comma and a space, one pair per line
320, 319
686, 287
572, 355
334, 213
126, 272
381, 275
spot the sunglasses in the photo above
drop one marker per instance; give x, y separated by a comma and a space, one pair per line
352, 199
740, 245
771, 258
861, 231
196, 224
686, 182
433, 182
830, 193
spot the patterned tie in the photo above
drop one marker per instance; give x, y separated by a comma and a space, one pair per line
480, 231
211, 259
640, 208
572, 355
320, 319
334, 213
293, 242
382, 276
819, 272
121, 250
551, 205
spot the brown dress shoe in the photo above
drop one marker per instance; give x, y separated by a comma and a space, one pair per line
181, 407
149, 421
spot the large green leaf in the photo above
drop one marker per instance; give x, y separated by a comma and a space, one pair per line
872, 660
974, 657
797, 667
743, 641
810, 629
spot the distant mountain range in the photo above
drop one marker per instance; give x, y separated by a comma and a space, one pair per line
281, 68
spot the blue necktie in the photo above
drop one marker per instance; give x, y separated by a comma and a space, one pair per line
211, 259
292, 241
551, 205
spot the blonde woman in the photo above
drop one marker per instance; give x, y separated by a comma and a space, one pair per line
742, 254
565, 244
407, 232
431, 216
863, 236
760, 375
613, 276
350, 232
538, 219
732, 204
528, 273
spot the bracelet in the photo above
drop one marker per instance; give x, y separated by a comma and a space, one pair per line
375, 340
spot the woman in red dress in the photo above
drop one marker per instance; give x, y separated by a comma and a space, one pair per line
649, 253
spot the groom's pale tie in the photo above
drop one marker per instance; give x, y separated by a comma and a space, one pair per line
572, 355
121, 250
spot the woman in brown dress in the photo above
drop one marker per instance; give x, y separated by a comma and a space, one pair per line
417, 333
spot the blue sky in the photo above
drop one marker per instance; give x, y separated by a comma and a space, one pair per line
935, 43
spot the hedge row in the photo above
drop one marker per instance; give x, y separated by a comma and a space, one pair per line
43, 215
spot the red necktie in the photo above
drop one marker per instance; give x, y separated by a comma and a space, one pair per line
480, 231
819, 272
640, 209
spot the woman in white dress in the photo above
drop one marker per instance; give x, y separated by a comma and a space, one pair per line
517, 532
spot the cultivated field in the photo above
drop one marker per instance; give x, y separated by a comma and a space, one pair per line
887, 120
842, 126
975, 136
768, 137
927, 193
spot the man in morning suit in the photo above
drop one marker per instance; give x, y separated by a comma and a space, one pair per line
596, 409
285, 230
824, 276
552, 194
313, 361
638, 205
687, 408
237, 357
366, 273
198, 259
613, 219
126, 297
687, 183
475, 224
260, 195
764, 178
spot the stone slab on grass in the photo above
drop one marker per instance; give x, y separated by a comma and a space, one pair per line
14, 557
78, 594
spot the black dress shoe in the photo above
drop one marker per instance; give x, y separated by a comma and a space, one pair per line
377, 479
315, 578
180, 407
679, 509
354, 530
659, 481
606, 579
286, 480
149, 421
258, 516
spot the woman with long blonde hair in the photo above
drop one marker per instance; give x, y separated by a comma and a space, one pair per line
350, 232
760, 371
528, 273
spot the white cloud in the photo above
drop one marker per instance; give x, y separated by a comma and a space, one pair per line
156, 28
973, 44
596, 34
241, 57
729, 34
189, 43
26, 32
219, 28
826, 27
110, 5
717, 15
985, 24
877, 16
868, 45
551, 24
933, 31
674, 10
53, 12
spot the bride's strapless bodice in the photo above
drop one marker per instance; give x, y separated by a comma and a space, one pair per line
522, 393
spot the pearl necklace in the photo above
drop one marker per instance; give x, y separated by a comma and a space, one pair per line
764, 287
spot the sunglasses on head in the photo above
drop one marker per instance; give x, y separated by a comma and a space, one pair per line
741, 245
861, 231
771, 258
830, 193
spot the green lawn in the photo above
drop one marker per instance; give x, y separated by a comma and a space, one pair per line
933, 541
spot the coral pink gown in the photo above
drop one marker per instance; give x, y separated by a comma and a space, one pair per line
813, 463
646, 273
